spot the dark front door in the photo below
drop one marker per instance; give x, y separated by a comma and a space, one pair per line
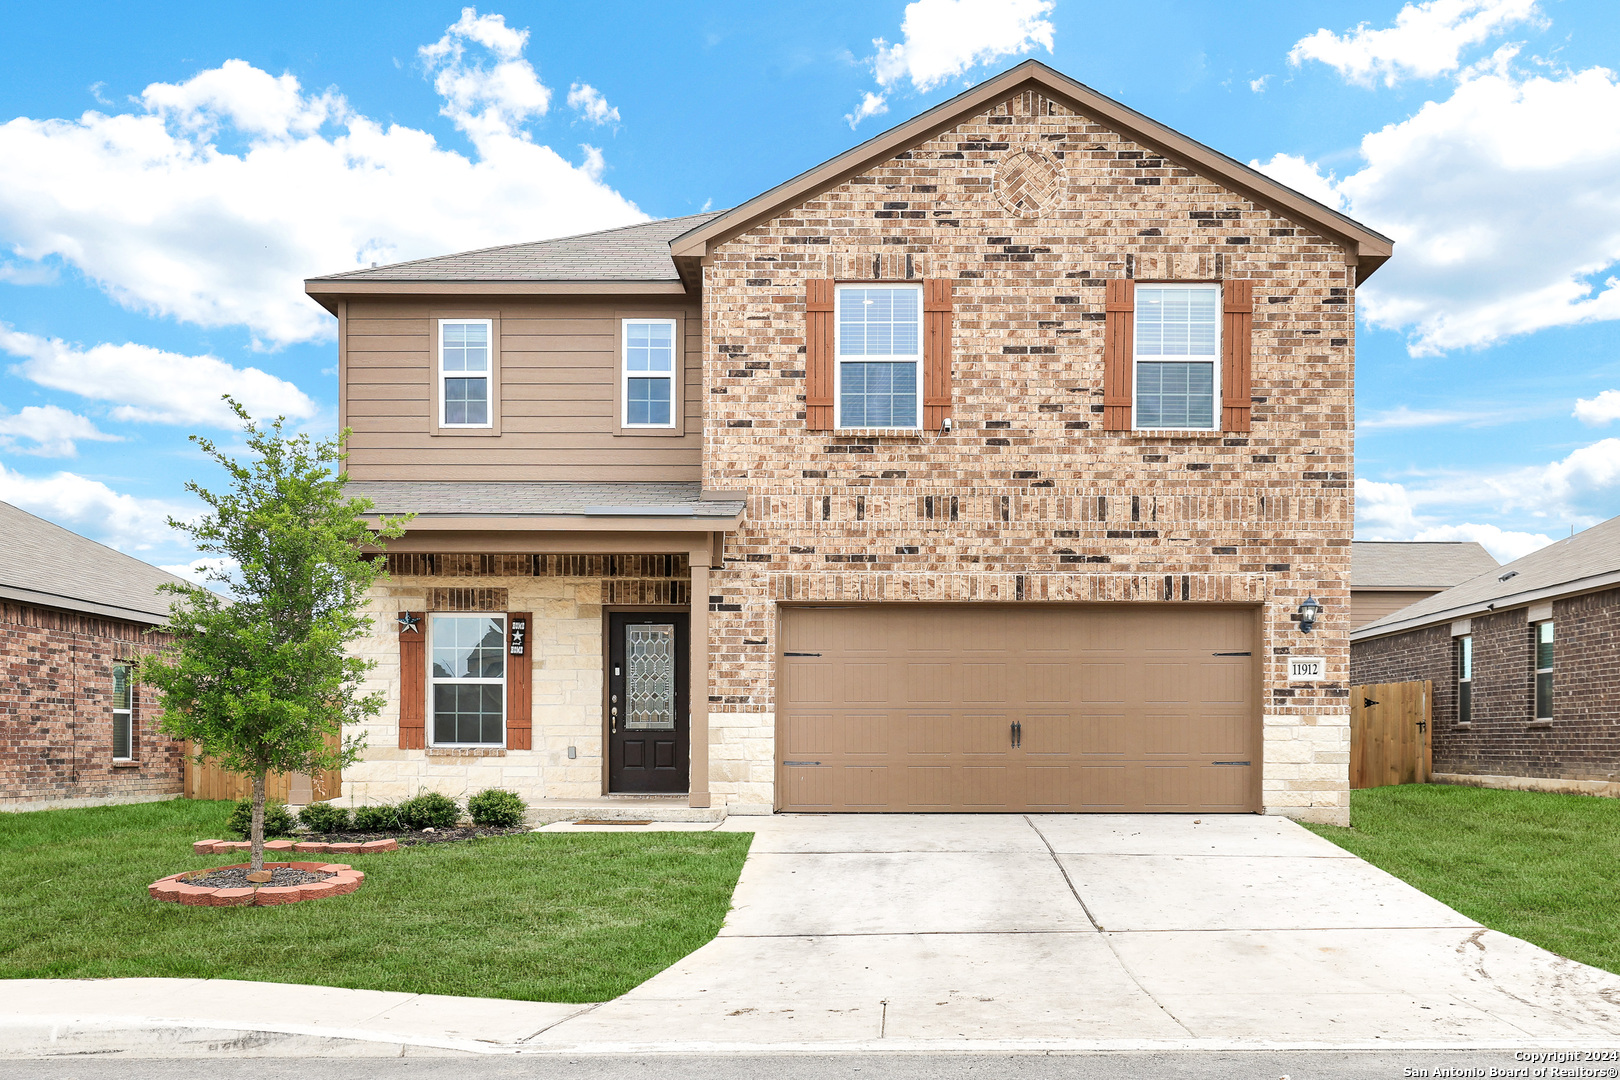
648, 748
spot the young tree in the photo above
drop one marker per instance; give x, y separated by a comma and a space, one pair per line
260, 682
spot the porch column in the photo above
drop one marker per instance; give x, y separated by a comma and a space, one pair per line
698, 677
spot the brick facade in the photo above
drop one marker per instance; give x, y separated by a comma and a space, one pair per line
56, 712
1583, 740
1027, 499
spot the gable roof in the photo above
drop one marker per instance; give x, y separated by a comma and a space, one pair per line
1416, 564
635, 255
1371, 248
1581, 563
48, 565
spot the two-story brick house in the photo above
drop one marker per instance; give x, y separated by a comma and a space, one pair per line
987, 466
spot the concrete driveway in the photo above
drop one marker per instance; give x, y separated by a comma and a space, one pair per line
937, 930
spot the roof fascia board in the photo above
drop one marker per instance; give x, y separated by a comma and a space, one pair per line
327, 287
1368, 248
1561, 591
540, 523
88, 607
520, 542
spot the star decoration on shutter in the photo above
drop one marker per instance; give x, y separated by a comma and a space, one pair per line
410, 623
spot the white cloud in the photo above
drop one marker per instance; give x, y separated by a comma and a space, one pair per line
1504, 546
1497, 235
871, 105
211, 200
52, 430
1387, 511
91, 508
153, 386
591, 105
941, 39
205, 571
1259, 85
1599, 410
1404, 417
1427, 40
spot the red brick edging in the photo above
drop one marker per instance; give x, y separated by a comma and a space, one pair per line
231, 847
176, 890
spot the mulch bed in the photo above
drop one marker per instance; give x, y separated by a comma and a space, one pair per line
235, 877
407, 839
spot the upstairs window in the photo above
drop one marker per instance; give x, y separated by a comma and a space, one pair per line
464, 372
467, 677
1544, 670
1465, 679
123, 725
879, 354
1177, 356
648, 371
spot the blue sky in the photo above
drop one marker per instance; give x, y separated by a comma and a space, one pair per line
170, 172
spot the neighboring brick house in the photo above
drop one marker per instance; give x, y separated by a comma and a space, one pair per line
1525, 661
76, 729
987, 466
1387, 575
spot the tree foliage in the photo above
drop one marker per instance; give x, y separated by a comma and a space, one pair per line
262, 682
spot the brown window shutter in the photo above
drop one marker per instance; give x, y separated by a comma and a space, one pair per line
936, 352
1237, 331
818, 354
519, 666
412, 680
1119, 352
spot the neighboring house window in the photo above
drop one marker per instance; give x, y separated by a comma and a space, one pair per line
1465, 679
468, 680
649, 373
879, 351
1177, 355
1544, 670
464, 372
123, 733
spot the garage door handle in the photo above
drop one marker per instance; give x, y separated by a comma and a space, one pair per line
801, 654
1017, 734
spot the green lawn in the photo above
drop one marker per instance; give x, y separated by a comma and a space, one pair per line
539, 917
1545, 868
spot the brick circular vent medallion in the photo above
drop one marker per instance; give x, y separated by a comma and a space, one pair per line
1029, 183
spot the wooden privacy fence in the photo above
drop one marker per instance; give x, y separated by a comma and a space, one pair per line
1390, 725
209, 781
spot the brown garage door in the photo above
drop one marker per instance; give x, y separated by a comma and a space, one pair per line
979, 707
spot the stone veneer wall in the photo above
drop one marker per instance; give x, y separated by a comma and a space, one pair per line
56, 712
567, 595
1027, 489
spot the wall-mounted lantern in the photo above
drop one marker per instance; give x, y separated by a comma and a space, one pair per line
1310, 609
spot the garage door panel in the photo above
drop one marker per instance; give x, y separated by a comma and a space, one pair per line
979, 707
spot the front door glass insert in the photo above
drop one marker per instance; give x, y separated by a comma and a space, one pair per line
650, 677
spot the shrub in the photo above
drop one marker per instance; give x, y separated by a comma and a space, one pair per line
496, 807
376, 818
278, 820
429, 810
323, 817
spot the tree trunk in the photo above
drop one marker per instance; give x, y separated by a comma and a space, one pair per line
256, 834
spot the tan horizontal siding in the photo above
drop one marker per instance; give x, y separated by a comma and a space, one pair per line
558, 390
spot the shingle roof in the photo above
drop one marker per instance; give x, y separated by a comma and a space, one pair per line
1415, 564
630, 253
1586, 560
539, 498
45, 564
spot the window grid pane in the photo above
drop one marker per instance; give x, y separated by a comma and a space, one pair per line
468, 647
649, 347
466, 401
648, 401
1175, 322
1176, 394
878, 395
466, 347
878, 322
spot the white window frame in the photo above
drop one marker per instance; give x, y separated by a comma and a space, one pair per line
838, 354
433, 681
1465, 677
488, 376
625, 373
1136, 382
1535, 660
127, 714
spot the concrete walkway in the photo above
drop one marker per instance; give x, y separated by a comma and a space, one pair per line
980, 933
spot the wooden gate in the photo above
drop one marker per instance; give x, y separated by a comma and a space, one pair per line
1390, 725
209, 781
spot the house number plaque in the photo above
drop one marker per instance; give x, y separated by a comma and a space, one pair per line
1306, 668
